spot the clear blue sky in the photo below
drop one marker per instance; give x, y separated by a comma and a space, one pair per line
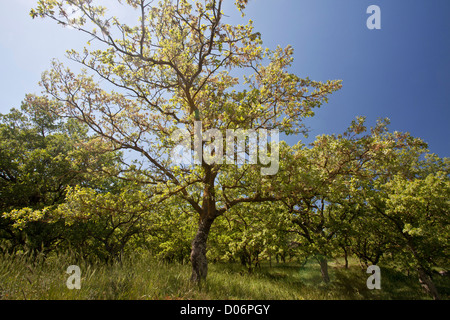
401, 71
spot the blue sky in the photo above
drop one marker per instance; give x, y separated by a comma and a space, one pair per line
401, 71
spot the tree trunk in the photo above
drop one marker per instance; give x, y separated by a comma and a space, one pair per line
324, 269
345, 257
427, 284
424, 278
198, 252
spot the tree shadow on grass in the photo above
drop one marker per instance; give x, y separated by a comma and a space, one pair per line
352, 284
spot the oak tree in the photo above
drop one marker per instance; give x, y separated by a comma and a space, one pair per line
180, 62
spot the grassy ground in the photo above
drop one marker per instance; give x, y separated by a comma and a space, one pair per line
144, 278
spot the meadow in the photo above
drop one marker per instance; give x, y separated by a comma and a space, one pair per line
141, 277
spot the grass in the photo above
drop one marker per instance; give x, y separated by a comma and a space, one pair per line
142, 277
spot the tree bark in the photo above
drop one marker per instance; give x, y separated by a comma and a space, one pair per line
345, 257
324, 269
198, 252
427, 284
424, 277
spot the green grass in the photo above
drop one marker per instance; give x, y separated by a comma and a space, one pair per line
142, 277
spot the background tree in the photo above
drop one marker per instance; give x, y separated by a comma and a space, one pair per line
169, 231
180, 63
103, 223
410, 198
40, 157
250, 234
314, 184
